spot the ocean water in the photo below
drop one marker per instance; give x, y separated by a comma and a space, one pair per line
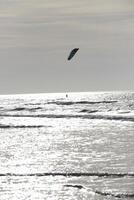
54, 147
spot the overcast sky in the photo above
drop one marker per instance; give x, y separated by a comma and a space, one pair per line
37, 35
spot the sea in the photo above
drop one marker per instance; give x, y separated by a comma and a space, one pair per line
67, 146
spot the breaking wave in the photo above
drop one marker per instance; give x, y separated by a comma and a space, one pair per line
74, 186
87, 116
80, 102
20, 126
88, 111
117, 195
25, 109
105, 174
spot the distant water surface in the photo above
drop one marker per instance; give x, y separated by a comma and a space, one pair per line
75, 147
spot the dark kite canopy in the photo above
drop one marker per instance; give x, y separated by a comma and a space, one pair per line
72, 53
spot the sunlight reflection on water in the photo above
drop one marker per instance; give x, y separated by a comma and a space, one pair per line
65, 145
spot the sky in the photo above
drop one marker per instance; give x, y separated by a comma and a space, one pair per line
36, 37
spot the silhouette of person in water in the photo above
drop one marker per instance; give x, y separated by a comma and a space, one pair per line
66, 95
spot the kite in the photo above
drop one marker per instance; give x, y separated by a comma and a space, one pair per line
72, 53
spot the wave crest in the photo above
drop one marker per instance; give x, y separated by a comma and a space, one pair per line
87, 116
